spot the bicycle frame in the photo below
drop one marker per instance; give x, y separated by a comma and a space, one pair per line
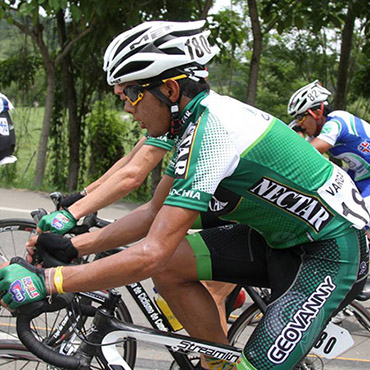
176, 343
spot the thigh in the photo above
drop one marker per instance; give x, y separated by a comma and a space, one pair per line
328, 275
231, 253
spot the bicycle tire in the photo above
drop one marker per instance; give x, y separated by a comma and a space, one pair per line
362, 315
14, 355
14, 233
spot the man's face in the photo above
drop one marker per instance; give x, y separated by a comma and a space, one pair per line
150, 112
308, 123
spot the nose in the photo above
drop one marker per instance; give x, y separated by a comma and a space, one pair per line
118, 90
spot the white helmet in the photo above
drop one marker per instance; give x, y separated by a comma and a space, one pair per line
5, 103
307, 97
152, 48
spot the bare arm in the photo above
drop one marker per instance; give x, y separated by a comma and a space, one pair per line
118, 165
321, 145
127, 229
122, 182
139, 262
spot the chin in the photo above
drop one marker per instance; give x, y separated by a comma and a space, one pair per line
156, 133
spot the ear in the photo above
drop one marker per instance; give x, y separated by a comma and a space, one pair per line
320, 115
172, 90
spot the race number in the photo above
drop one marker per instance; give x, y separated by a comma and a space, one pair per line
197, 46
341, 194
4, 127
333, 341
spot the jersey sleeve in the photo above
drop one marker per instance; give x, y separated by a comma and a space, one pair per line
330, 132
160, 142
205, 156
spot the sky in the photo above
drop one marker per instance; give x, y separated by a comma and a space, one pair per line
219, 4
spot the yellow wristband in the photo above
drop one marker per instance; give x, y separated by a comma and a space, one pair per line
58, 280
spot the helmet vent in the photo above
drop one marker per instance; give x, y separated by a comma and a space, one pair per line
131, 67
128, 41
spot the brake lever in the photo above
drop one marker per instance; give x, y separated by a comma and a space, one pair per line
38, 214
57, 198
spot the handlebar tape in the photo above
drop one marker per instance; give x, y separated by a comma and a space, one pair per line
39, 349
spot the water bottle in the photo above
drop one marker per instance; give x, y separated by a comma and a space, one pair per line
167, 312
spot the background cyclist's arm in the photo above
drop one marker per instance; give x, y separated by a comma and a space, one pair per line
321, 145
127, 229
117, 166
121, 182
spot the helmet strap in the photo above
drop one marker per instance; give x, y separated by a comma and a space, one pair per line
175, 124
319, 124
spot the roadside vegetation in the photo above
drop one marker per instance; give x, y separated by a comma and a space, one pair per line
70, 127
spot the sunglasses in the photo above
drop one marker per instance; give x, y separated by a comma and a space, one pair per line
134, 93
301, 117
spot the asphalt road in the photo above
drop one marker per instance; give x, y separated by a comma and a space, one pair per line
19, 203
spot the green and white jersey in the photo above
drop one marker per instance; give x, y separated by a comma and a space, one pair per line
270, 178
160, 142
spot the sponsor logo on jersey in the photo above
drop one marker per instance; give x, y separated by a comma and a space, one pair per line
193, 194
307, 208
326, 129
216, 205
363, 269
183, 153
287, 341
17, 291
4, 128
364, 147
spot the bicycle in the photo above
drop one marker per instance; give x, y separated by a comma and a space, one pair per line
247, 319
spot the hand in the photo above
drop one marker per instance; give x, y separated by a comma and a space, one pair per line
59, 222
56, 245
70, 199
22, 283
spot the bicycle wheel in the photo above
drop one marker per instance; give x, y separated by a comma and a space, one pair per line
64, 336
240, 331
14, 233
355, 318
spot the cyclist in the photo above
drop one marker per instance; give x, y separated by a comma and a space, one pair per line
7, 135
301, 218
342, 134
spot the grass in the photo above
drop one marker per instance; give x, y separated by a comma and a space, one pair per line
28, 123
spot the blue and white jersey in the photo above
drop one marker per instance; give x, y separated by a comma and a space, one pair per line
350, 140
5, 104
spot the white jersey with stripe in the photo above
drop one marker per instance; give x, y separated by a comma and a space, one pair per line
349, 137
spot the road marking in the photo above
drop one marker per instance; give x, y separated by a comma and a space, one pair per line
342, 358
15, 210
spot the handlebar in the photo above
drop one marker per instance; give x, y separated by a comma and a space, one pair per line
27, 313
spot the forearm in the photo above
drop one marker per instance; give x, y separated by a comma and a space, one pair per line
127, 179
109, 272
115, 188
141, 261
116, 167
126, 230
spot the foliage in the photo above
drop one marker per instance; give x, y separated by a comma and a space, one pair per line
58, 157
106, 134
301, 42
